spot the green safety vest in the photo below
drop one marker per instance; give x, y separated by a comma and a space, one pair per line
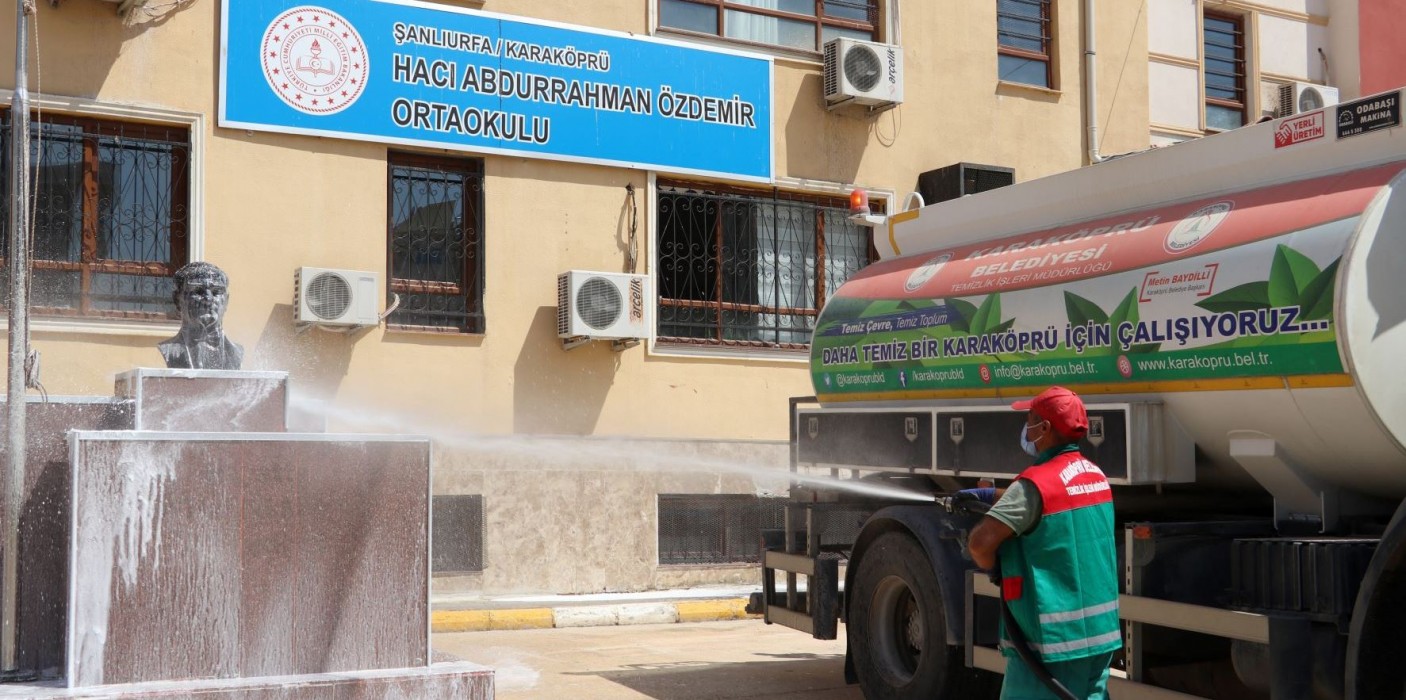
1060, 579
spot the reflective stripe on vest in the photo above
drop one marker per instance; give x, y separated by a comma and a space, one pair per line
1071, 645
1091, 611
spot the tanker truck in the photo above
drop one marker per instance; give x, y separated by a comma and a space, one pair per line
1233, 312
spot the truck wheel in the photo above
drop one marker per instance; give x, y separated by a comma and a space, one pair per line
896, 629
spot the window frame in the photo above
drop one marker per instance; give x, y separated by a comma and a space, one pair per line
472, 290
1047, 41
95, 124
1241, 62
664, 186
820, 20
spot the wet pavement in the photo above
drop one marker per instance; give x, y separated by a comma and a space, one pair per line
699, 661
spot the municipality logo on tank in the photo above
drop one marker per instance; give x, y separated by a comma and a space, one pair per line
315, 60
925, 272
1196, 227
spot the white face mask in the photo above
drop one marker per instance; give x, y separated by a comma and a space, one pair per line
1026, 443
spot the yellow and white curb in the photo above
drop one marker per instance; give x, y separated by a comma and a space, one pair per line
589, 615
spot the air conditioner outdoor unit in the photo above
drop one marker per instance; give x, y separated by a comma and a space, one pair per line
336, 297
1296, 98
602, 305
864, 73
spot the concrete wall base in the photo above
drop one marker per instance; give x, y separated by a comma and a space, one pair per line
458, 679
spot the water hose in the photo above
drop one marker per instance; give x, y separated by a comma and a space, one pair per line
1028, 655
1019, 641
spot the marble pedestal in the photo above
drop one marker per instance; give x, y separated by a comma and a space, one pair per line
196, 559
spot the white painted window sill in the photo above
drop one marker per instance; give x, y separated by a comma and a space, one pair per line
1032, 89
787, 357
104, 326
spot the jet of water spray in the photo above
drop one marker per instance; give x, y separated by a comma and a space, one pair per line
598, 452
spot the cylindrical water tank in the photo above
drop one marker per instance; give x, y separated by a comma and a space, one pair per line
1277, 312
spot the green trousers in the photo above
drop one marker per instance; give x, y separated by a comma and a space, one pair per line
1086, 678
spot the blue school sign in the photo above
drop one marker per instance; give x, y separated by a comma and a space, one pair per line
405, 72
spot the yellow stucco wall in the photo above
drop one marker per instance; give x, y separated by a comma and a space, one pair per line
275, 202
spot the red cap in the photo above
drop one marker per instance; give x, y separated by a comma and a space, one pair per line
1062, 408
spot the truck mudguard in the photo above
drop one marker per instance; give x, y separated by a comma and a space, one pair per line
938, 532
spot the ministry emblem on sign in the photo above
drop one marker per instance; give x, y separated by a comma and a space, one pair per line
314, 60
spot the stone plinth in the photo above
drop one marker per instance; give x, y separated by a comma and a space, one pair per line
198, 400
241, 555
218, 563
441, 680
43, 528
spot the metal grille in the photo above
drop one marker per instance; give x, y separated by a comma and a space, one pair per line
436, 249
1023, 41
599, 303
862, 68
832, 73
458, 525
715, 528
329, 295
737, 268
839, 525
563, 304
797, 24
1223, 55
111, 215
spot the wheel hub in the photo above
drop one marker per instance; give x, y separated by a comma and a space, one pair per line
898, 621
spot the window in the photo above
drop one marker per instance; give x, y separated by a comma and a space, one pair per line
727, 528
457, 525
1224, 39
1023, 41
796, 24
436, 248
741, 267
111, 215
715, 529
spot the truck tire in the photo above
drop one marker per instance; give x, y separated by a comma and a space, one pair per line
896, 629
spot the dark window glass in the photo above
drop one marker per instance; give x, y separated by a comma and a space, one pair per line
111, 215
1023, 41
684, 14
798, 24
436, 250
744, 268
457, 524
1224, 56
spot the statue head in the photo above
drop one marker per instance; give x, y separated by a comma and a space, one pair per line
202, 293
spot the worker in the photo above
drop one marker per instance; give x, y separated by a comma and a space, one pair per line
1052, 532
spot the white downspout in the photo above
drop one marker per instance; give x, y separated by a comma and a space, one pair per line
1091, 82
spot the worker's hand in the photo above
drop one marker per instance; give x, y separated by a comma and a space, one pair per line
983, 495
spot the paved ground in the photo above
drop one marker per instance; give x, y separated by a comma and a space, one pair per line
698, 661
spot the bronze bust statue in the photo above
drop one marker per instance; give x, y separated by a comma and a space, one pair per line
202, 293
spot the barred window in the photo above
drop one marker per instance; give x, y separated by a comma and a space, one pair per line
749, 268
796, 24
457, 525
111, 215
715, 528
1023, 41
703, 529
1224, 39
435, 242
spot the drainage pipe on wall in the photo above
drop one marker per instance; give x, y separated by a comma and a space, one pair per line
1091, 82
19, 347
